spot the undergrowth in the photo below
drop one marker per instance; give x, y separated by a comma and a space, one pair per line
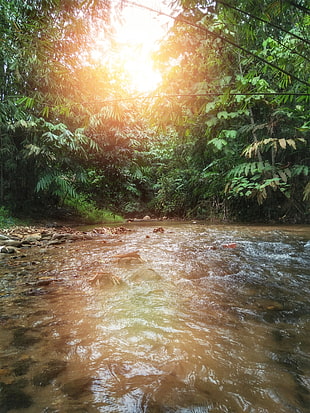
6, 220
90, 213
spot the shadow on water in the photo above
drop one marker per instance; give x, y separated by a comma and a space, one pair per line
188, 319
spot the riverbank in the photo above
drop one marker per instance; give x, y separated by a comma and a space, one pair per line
15, 239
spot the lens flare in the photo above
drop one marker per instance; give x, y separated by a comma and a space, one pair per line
136, 37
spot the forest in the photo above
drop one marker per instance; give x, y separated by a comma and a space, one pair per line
224, 136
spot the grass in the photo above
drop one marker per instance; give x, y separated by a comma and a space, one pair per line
6, 220
90, 213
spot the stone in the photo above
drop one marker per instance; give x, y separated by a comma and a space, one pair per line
21, 337
49, 372
4, 237
44, 282
159, 230
12, 243
32, 238
12, 397
230, 245
21, 367
75, 387
128, 258
133, 254
7, 250
105, 279
56, 241
146, 274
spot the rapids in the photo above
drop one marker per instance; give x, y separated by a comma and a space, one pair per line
196, 318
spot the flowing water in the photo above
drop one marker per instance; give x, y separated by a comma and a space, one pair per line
194, 319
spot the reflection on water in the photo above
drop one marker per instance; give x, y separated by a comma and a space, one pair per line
180, 324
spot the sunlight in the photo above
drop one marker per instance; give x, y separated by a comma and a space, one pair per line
136, 37
141, 73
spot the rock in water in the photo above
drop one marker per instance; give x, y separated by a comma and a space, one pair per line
145, 274
12, 397
21, 367
75, 387
49, 373
23, 337
7, 250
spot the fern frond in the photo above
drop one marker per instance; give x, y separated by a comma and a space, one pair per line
307, 192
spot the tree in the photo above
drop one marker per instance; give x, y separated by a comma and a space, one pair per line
243, 111
45, 95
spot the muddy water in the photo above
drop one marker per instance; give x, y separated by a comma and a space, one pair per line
197, 319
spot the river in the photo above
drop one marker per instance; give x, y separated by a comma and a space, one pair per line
185, 318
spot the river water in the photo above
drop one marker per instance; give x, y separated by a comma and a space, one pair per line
196, 318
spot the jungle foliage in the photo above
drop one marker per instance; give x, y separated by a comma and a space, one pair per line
226, 134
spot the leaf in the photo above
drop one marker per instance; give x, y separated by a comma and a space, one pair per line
222, 114
218, 143
307, 192
283, 176
230, 134
282, 143
292, 143
254, 167
45, 112
247, 169
260, 166
288, 172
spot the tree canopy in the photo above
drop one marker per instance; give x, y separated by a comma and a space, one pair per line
225, 135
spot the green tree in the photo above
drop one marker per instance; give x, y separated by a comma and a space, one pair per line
240, 93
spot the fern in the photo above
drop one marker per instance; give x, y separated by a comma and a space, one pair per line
218, 143
57, 184
300, 170
307, 192
250, 168
275, 143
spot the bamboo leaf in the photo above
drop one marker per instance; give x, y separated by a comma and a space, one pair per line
307, 192
283, 175
291, 143
282, 143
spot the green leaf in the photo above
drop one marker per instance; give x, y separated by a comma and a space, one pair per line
218, 143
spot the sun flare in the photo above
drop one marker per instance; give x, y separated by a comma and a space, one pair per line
136, 37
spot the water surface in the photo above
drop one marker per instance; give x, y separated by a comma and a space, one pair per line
199, 319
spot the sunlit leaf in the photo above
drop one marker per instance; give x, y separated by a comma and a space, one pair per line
282, 143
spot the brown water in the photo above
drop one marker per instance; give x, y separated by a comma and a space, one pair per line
192, 326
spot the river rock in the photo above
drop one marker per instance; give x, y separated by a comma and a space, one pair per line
22, 337
75, 387
7, 250
21, 367
128, 258
12, 243
144, 275
159, 230
12, 397
32, 238
105, 279
49, 372
230, 245
4, 237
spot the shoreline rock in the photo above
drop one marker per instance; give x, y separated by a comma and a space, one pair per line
16, 238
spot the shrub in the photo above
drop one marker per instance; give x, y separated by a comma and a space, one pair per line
90, 213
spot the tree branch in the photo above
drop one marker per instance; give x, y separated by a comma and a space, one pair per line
263, 20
